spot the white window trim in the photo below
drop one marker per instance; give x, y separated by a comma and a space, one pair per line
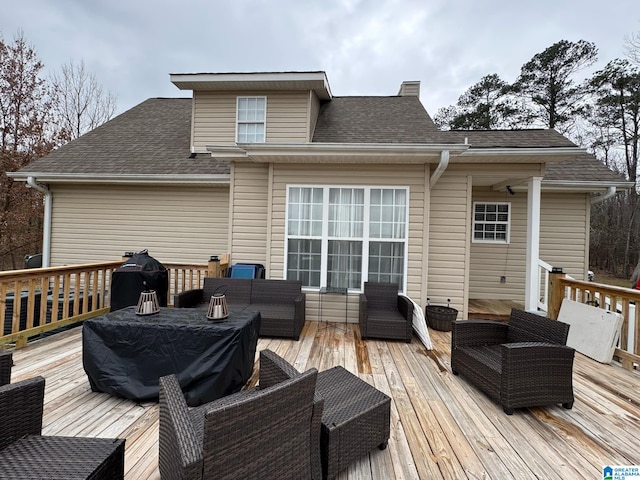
264, 122
507, 240
365, 239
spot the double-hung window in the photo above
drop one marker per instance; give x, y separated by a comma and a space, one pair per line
491, 222
343, 236
251, 119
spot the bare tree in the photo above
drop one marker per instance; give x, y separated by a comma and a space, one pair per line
80, 102
26, 133
632, 47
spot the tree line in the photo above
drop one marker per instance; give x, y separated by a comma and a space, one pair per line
600, 113
37, 115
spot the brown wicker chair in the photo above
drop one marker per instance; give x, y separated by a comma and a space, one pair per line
271, 431
24, 453
356, 417
384, 313
6, 362
522, 363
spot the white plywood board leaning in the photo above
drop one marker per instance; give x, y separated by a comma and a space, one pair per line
593, 331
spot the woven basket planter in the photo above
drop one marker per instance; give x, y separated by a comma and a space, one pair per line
440, 317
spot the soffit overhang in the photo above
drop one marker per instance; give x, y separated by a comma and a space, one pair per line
286, 81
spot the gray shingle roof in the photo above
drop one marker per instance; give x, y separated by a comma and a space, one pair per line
508, 138
151, 138
584, 169
154, 138
375, 120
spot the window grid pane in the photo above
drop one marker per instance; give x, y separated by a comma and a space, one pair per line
304, 259
344, 264
491, 222
387, 213
330, 250
305, 212
346, 212
386, 262
251, 120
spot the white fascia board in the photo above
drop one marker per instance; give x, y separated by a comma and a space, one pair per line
123, 179
532, 151
318, 80
577, 186
390, 149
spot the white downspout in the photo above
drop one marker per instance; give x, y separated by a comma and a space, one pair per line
611, 191
46, 233
442, 166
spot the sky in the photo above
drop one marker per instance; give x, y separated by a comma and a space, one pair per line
366, 47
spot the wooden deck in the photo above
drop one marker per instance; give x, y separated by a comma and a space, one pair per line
441, 426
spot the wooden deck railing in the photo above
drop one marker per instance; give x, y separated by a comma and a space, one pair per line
39, 300
607, 297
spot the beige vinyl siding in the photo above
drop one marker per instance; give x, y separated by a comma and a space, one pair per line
490, 261
283, 175
564, 221
215, 117
249, 215
449, 240
564, 232
314, 110
94, 223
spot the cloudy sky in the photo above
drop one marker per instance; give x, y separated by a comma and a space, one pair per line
366, 47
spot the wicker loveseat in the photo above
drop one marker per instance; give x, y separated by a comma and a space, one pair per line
271, 431
385, 314
522, 363
24, 453
281, 303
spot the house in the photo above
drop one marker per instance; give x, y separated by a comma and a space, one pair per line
275, 169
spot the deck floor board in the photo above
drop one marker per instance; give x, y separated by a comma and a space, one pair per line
442, 427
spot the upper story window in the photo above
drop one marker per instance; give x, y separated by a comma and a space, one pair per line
342, 236
491, 222
251, 119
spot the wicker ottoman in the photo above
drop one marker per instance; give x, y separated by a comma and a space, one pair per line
356, 418
71, 458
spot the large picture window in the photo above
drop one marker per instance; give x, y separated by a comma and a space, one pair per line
491, 222
251, 116
343, 236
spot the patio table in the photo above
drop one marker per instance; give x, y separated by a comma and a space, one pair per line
125, 354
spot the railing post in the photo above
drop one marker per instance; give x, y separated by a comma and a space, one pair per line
556, 292
214, 267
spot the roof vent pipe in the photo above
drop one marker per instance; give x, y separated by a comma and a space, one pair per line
442, 166
611, 191
46, 228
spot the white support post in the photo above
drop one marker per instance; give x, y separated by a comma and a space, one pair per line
532, 282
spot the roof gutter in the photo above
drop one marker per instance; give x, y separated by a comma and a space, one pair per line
611, 191
172, 179
46, 229
442, 166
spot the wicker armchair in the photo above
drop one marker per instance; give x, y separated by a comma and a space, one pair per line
384, 313
522, 363
356, 417
271, 431
24, 453
6, 362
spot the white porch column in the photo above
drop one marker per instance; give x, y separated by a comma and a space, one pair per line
532, 282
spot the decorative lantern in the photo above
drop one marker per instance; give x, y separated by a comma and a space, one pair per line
148, 303
218, 309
